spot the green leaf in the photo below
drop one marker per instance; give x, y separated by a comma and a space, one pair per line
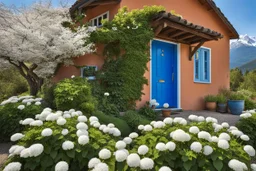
218, 164
188, 165
71, 153
46, 161
53, 154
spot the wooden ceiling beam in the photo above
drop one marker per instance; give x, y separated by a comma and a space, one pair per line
192, 51
172, 39
176, 33
167, 31
106, 2
186, 36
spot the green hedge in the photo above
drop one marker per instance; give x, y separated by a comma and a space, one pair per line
134, 119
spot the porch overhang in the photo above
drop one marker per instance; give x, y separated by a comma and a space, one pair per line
173, 28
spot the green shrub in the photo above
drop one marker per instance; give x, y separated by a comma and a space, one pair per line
247, 93
221, 99
10, 116
249, 104
72, 93
210, 98
119, 123
236, 96
134, 119
225, 92
236, 78
11, 83
147, 112
248, 127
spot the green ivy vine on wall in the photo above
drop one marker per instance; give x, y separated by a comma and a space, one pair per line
126, 39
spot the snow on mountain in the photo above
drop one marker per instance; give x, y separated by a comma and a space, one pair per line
244, 40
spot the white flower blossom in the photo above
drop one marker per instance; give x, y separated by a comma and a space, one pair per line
237, 165
21, 107
83, 139
143, 149
165, 168
170, 146
16, 137
133, 160
68, 145
46, 132
246, 115
82, 119
106, 94
38, 103
102, 127
93, 118
204, 135
211, 119
152, 122
25, 153
180, 135
148, 128
224, 136
245, 137
27, 121
140, 127
81, 132
104, 154
193, 118
225, 125
61, 166
165, 105
121, 155
36, 150
160, 146
168, 121
64, 132
249, 150
208, 150
223, 144
253, 167
117, 132
52, 117
93, 162
127, 140
36, 123
180, 120
120, 145
196, 147
101, 167
82, 125
16, 149
61, 121
194, 130
133, 135
159, 124
200, 119
215, 139
146, 164
237, 133
13, 166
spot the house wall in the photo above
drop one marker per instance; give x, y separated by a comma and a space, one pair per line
191, 93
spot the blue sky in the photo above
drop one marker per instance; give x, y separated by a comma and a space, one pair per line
241, 13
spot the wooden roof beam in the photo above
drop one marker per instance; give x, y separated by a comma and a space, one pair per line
172, 39
186, 36
193, 51
176, 33
106, 2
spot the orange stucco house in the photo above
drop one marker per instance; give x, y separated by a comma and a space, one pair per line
193, 51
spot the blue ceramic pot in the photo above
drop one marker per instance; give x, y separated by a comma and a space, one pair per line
236, 107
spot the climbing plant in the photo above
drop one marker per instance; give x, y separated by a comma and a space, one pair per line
126, 39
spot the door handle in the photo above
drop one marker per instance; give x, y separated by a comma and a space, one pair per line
172, 77
161, 81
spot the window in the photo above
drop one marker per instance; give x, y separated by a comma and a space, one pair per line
97, 21
202, 68
89, 72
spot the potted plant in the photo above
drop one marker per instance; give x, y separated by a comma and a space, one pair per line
236, 103
166, 112
210, 102
222, 103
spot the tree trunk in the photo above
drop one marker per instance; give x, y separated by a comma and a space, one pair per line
34, 85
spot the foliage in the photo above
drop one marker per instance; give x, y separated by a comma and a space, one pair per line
210, 98
236, 96
10, 116
126, 40
248, 127
221, 99
249, 82
11, 83
74, 93
48, 96
225, 92
249, 104
134, 119
118, 122
247, 93
147, 112
34, 41
236, 77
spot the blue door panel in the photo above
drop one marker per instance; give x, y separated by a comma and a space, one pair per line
164, 73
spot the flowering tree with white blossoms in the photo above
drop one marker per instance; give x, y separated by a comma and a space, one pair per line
34, 40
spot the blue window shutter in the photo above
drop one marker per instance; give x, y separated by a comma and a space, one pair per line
202, 66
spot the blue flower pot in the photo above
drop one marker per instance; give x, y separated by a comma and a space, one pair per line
236, 107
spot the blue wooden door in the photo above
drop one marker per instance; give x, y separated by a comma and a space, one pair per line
164, 73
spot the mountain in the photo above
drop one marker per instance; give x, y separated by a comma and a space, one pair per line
243, 53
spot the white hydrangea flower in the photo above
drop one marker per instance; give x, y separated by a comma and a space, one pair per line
168, 121
102, 127
104, 154
194, 130
83, 139
38, 103
61, 166
16, 149
140, 127
171, 146
133, 160
223, 144
217, 128
237, 133
64, 132
16, 137
25, 153
200, 119
106, 129
120, 145
96, 125
27, 121
21, 107
36, 150
152, 122
245, 137
232, 128
81, 132
36, 123
93, 162
101, 167
29, 103
225, 125
93, 118
208, 150
68, 145
146, 164
52, 117
249, 150
246, 115
224, 136
180, 135
82, 119
253, 167
160, 146
193, 118
215, 139
196, 147
46, 132
148, 128
205, 135
165, 168
211, 119
66, 116
13, 166
127, 140
82, 126
110, 125
121, 155
61, 121
133, 135
71, 110
237, 165
180, 120
117, 132
159, 124
106, 94
143, 149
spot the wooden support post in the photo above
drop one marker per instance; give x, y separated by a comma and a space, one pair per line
192, 52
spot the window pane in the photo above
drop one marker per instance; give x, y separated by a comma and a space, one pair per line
105, 16
100, 19
197, 65
206, 70
95, 22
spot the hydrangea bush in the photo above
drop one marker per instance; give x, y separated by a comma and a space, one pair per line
70, 141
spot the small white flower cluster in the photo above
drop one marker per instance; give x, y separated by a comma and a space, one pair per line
246, 115
195, 118
153, 102
237, 165
33, 151
28, 100
13, 166
180, 135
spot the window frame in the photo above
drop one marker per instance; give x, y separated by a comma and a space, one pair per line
97, 17
201, 66
93, 77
